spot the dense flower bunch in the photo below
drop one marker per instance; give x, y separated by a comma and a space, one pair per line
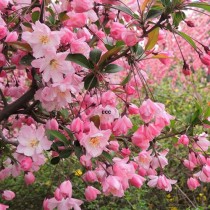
72, 80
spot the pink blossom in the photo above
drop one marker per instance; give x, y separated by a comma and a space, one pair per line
108, 98
129, 37
42, 39
147, 110
91, 193
116, 30
8, 195
133, 109
192, 183
3, 31
161, 182
121, 126
79, 46
76, 20
96, 141
53, 66
202, 143
205, 59
137, 180
32, 141
82, 5
2, 60
112, 185
114, 146
160, 160
125, 152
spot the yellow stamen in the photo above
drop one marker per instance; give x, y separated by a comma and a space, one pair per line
44, 39
34, 142
95, 141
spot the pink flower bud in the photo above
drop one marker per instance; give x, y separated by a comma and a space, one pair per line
205, 59
114, 146
90, 176
52, 124
183, 140
2, 60
3, 207
26, 163
125, 152
192, 183
190, 23
66, 189
11, 37
133, 109
8, 195
3, 32
57, 194
29, 178
77, 125
91, 193
137, 181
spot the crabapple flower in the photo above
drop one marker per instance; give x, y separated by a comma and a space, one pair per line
26, 163
82, 5
32, 141
91, 193
202, 143
121, 126
112, 185
95, 141
161, 182
8, 195
53, 66
42, 39
137, 180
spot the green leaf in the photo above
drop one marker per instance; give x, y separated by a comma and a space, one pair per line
80, 60
166, 3
55, 160
21, 46
207, 112
206, 122
201, 5
65, 153
64, 113
152, 39
113, 68
126, 80
90, 81
178, 17
138, 49
187, 38
26, 60
53, 134
35, 16
78, 150
27, 24
123, 9
95, 55
153, 13
107, 156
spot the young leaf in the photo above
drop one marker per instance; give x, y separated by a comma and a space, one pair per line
21, 46
95, 55
80, 60
187, 38
127, 79
113, 68
201, 5
152, 39
123, 9
65, 153
178, 17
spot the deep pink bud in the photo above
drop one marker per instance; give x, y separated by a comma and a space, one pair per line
137, 181
77, 125
2, 60
192, 183
90, 176
52, 124
26, 163
190, 23
91, 193
205, 59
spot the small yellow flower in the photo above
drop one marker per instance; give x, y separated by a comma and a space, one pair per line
209, 103
48, 183
176, 90
78, 172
